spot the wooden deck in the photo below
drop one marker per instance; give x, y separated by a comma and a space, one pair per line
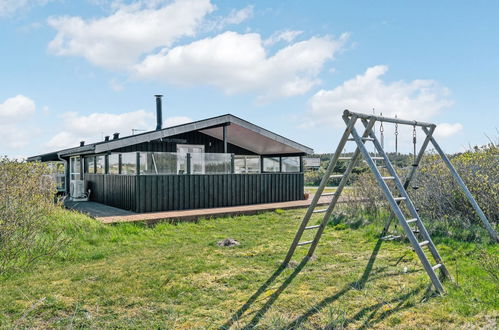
192, 215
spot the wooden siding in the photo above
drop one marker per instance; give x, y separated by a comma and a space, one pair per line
211, 144
155, 193
115, 190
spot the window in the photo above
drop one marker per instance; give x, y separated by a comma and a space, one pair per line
100, 164
271, 164
129, 163
114, 163
89, 164
160, 162
74, 168
290, 164
246, 164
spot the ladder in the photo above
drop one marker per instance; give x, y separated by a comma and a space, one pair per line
411, 222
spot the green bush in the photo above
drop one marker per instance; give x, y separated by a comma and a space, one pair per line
26, 202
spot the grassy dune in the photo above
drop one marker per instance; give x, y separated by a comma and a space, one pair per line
175, 276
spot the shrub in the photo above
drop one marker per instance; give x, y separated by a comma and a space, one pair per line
26, 201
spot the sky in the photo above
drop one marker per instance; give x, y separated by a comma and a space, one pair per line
75, 71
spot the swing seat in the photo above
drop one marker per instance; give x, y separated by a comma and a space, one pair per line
415, 187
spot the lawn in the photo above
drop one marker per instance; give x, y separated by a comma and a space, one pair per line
176, 276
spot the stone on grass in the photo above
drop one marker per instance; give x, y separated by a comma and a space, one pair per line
228, 242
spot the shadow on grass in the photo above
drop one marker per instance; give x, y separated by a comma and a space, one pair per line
260, 313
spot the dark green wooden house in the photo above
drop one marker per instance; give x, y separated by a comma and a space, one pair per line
216, 162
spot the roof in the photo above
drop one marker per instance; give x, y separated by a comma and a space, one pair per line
239, 132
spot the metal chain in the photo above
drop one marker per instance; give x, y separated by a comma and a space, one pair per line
396, 136
414, 143
381, 130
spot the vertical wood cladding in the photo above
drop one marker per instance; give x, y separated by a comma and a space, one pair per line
211, 144
153, 193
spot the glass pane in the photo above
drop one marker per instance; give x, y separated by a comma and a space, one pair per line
100, 164
246, 164
162, 162
213, 163
57, 172
114, 163
290, 164
239, 164
129, 163
271, 164
89, 164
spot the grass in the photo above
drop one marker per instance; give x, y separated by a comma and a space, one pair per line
176, 276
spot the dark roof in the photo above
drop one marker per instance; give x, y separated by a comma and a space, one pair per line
239, 132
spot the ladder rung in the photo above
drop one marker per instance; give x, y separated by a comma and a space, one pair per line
412, 220
399, 199
437, 266
423, 243
344, 158
320, 211
377, 158
312, 227
328, 194
304, 243
336, 176
388, 177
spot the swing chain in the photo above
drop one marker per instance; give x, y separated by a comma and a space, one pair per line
396, 136
414, 144
381, 130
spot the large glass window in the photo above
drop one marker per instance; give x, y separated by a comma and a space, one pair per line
58, 173
290, 164
129, 163
246, 164
271, 164
89, 164
114, 163
100, 164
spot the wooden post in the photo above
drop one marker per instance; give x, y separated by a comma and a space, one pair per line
225, 138
232, 164
188, 170
137, 169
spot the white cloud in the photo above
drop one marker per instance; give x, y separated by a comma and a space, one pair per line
174, 121
15, 112
92, 127
118, 40
444, 130
417, 99
237, 62
16, 109
237, 16
287, 36
9, 7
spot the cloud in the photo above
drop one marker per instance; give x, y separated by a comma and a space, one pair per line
445, 130
287, 36
417, 99
237, 63
15, 112
16, 109
9, 7
118, 40
174, 121
92, 127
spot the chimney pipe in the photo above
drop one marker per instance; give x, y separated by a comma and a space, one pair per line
159, 114
106, 138
82, 143
116, 136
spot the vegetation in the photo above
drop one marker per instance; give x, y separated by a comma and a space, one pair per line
132, 275
26, 204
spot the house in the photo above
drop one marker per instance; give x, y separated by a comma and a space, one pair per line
215, 162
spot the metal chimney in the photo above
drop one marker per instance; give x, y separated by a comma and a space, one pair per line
159, 112
116, 136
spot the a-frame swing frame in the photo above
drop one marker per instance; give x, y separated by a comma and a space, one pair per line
406, 221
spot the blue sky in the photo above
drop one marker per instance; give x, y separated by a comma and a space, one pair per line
78, 70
